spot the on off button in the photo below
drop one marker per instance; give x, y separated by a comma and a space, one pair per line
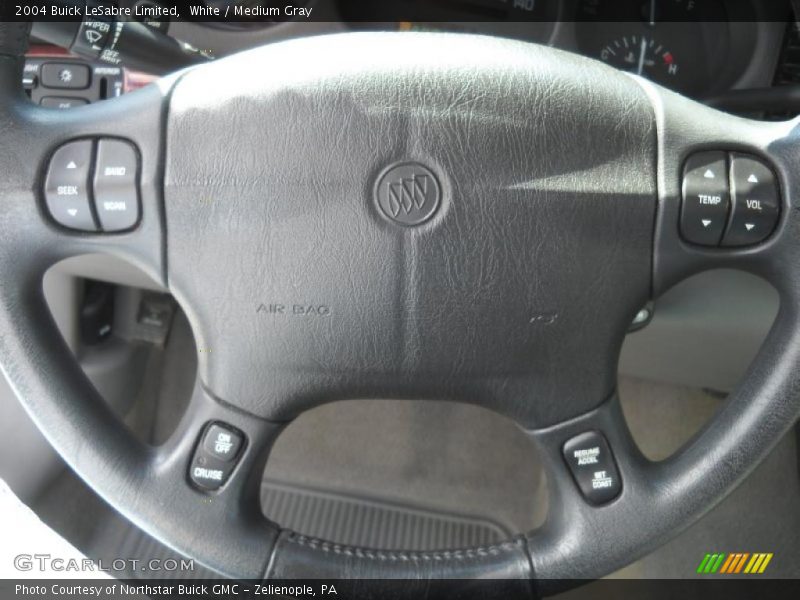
218, 451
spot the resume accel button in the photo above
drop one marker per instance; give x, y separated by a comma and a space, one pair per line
592, 464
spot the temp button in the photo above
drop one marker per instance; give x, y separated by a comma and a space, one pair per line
706, 198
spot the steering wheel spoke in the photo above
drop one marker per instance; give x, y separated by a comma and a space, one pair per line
594, 470
211, 467
726, 190
738, 178
90, 180
80, 181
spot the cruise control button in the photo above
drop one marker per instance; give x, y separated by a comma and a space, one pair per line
216, 456
756, 202
208, 472
66, 186
115, 191
706, 198
593, 467
222, 442
65, 76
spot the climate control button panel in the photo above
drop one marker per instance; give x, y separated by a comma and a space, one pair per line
729, 200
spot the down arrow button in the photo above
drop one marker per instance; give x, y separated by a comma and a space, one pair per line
706, 198
756, 202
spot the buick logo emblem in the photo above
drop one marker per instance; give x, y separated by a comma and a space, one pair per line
408, 193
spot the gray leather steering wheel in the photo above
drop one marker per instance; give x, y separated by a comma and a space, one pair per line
265, 181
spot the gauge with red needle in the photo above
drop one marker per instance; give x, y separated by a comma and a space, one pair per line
643, 55
672, 42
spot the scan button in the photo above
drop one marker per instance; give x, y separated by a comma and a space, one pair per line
115, 190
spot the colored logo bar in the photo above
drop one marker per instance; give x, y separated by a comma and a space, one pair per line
735, 563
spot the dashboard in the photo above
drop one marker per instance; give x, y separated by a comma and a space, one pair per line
709, 50
701, 48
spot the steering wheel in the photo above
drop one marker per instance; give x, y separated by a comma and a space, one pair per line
422, 216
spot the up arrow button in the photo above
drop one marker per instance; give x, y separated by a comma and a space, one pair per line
66, 188
755, 200
706, 198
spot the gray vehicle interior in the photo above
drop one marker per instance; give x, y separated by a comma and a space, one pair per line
401, 474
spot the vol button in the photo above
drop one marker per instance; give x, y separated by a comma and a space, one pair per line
756, 202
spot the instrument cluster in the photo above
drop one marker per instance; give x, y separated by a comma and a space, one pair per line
695, 47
